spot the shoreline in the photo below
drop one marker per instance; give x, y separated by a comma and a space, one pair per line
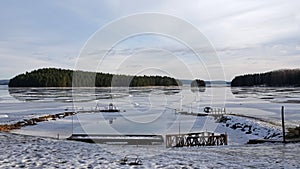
33, 121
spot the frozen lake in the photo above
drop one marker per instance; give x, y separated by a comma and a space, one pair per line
149, 110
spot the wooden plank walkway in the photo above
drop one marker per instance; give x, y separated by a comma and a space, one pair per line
217, 113
259, 141
118, 139
196, 139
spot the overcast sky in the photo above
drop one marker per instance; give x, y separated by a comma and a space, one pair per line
248, 36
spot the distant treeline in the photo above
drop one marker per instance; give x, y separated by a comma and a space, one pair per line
52, 77
4, 82
198, 83
278, 78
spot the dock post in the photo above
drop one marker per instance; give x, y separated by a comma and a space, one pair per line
283, 127
168, 142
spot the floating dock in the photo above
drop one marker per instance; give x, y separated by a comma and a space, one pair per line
196, 139
208, 111
118, 139
259, 141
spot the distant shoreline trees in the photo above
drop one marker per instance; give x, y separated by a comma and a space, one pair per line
278, 78
53, 77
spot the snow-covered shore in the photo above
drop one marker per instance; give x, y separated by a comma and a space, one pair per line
242, 129
19, 151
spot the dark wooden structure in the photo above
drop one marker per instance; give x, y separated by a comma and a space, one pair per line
196, 139
283, 126
259, 141
208, 111
118, 139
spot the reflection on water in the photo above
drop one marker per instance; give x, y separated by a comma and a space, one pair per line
198, 89
111, 117
62, 94
85, 94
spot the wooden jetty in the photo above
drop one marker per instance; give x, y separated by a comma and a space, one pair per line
259, 141
196, 139
208, 111
118, 139
109, 108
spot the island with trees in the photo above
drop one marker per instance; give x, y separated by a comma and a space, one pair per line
198, 83
278, 78
53, 77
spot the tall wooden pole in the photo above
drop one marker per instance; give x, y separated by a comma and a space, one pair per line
283, 127
72, 124
179, 127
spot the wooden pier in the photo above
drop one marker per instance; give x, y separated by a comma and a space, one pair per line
260, 141
217, 113
196, 139
118, 139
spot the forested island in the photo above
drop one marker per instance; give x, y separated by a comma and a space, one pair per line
198, 83
53, 77
278, 78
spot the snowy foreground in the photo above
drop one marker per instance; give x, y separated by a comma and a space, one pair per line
39, 152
